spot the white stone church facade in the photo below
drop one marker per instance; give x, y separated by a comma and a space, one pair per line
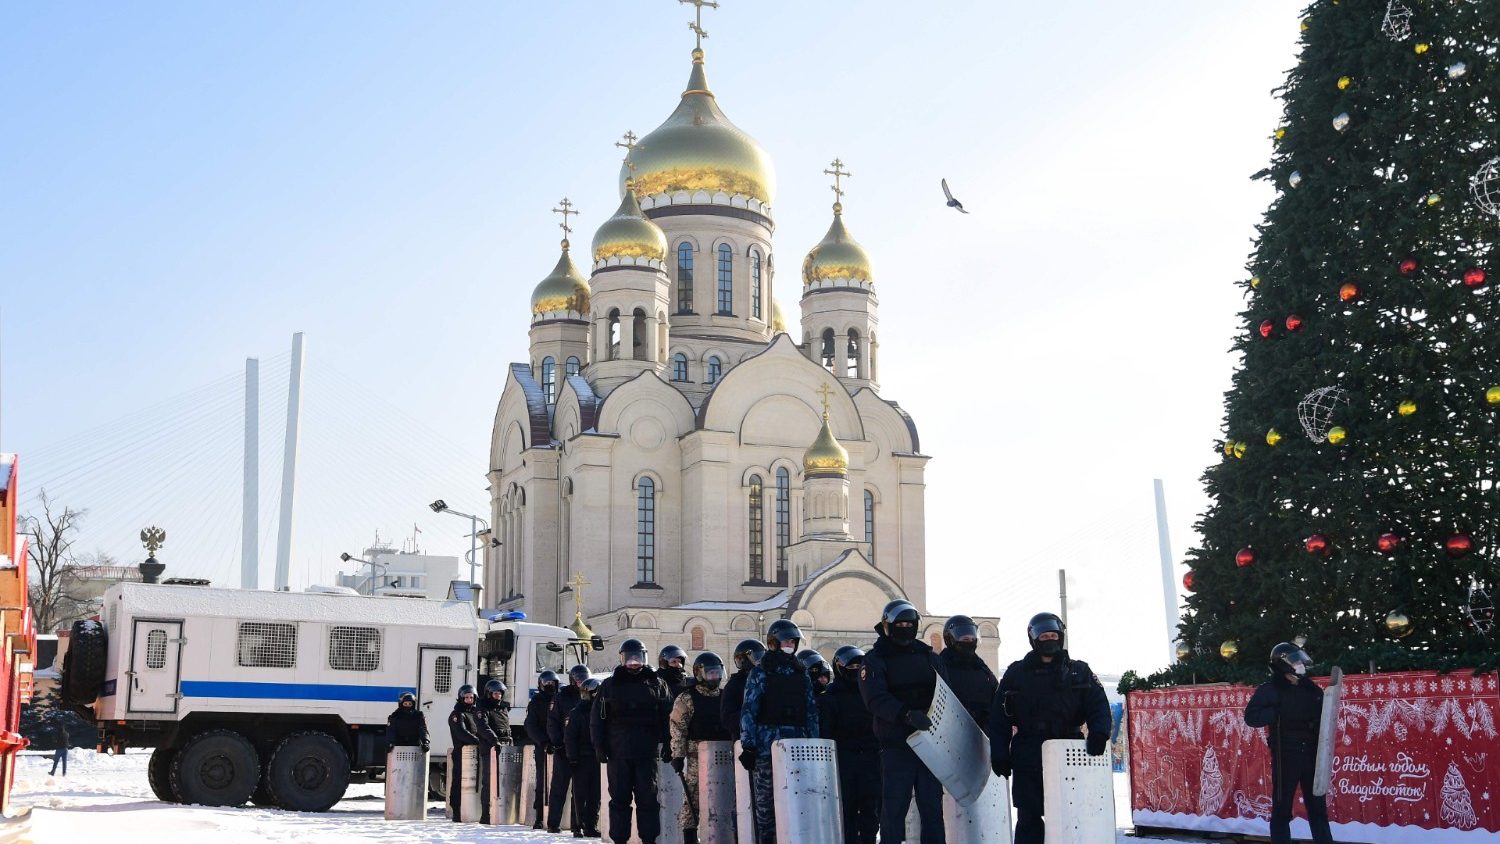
704, 470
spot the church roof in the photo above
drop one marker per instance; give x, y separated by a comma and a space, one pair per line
540, 435
775, 602
588, 402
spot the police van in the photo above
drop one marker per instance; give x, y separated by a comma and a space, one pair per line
281, 698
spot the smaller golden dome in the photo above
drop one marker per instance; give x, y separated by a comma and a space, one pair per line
778, 319
580, 627
826, 457
838, 259
629, 235
563, 290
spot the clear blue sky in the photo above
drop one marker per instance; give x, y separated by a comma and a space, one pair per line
186, 184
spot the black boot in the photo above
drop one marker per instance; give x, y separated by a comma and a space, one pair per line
690, 836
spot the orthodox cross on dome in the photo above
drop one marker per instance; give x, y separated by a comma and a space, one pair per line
697, 25
839, 174
825, 393
565, 208
630, 146
578, 583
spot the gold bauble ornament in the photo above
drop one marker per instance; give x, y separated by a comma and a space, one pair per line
1492, 395
1230, 649
1421, 47
1305, 25
1273, 438
1434, 199
1406, 408
1397, 624
1240, 448
1337, 434
1255, 281
1229, 448
1183, 651
1280, 132
1344, 83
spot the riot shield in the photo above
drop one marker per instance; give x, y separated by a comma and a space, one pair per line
406, 784
955, 749
744, 809
505, 788
985, 821
529, 785
1328, 726
1080, 794
716, 765
670, 794
464, 764
805, 774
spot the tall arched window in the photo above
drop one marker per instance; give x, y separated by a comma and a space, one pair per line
755, 291
695, 638
757, 522
638, 335
854, 354
715, 369
828, 349
614, 334
679, 367
783, 521
684, 278
573, 367
645, 531
726, 279
870, 523
549, 379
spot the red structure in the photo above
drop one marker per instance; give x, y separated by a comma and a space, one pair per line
1416, 758
19, 642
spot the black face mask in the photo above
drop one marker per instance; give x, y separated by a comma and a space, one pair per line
904, 633
966, 648
1048, 647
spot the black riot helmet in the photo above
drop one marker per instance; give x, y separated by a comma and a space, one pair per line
817, 668
781, 633
670, 653
494, 687
708, 670
899, 621
587, 688
961, 632
407, 701
465, 690
1286, 658
846, 662
747, 654
1046, 622
547, 682
633, 655
577, 674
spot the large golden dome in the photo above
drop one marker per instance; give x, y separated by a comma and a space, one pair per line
697, 148
826, 457
838, 259
564, 289
629, 235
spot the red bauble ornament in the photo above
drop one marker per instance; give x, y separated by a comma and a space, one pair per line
1293, 322
1267, 327
1408, 266
1317, 544
1458, 545
1246, 557
1349, 292
1389, 542
1474, 277
1187, 581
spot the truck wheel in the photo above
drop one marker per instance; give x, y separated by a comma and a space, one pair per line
83, 665
215, 768
437, 781
159, 774
309, 772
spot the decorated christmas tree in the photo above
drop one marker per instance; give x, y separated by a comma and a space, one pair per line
1354, 498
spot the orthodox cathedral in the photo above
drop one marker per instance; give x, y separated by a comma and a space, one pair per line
673, 463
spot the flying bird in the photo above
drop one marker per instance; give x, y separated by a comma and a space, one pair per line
952, 203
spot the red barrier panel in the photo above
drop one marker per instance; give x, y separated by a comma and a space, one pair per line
1416, 759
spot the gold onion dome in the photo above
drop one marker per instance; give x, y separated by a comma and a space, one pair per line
838, 259
629, 235
580, 627
564, 289
826, 457
697, 148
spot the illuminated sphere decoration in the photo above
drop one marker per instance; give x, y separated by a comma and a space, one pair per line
1397, 624
1230, 649
1245, 558
1341, 122
1492, 395
1187, 581
1458, 545
1421, 48
1317, 545
1273, 438
1484, 187
1240, 448
1457, 70
1293, 322
1408, 266
1389, 542
1337, 435
1475, 277
1267, 327
1407, 407
1344, 83
1295, 179
1434, 199
1183, 651
1348, 292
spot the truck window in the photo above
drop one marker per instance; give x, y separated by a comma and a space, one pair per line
578, 652
354, 648
264, 644
442, 670
548, 660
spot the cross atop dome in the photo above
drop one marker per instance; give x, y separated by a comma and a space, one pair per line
565, 208
697, 24
839, 174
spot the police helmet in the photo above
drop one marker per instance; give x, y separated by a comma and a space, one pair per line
960, 628
898, 614
493, 686
1285, 658
846, 660
814, 663
587, 688
547, 681
747, 654
1046, 622
782, 630
708, 669
578, 673
633, 654
465, 689
669, 653
406, 697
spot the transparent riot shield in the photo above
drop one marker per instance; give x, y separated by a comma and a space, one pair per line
670, 794
716, 796
1080, 794
463, 763
406, 784
805, 773
744, 810
505, 785
1328, 726
985, 821
955, 750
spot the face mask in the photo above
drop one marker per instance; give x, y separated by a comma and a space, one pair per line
966, 647
710, 683
903, 633
789, 648
1299, 669
1048, 647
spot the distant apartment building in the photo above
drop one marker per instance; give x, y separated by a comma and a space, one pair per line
403, 573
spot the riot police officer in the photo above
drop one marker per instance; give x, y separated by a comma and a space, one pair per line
629, 731
1046, 695
671, 665
467, 727
972, 681
562, 772
496, 714
817, 670
695, 718
779, 705
1290, 705
843, 717
578, 746
407, 727
747, 655
536, 732
898, 680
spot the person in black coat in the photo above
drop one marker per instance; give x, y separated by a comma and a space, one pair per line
843, 717
747, 655
1290, 706
971, 680
536, 733
1046, 695
562, 772
496, 711
671, 666
629, 730
468, 727
578, 747
898, 681
407, 727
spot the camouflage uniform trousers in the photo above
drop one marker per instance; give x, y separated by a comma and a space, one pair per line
764, 795
687, 817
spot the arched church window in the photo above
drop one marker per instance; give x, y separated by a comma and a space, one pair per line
853, 362
614, 334
870, 523
684, 278
573, 367
695, 639
783, 521
828, 349
679, 367
715, 369
755, 291
645, 531
757, 523
549, 379
638, 335
726, 279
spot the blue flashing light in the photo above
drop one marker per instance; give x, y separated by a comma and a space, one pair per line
513, 615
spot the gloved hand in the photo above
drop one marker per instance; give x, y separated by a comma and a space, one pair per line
1096, 743
917, 719
748, 758
1001, 768
602, 757
549, 750
666, 753
426, 746
677, 765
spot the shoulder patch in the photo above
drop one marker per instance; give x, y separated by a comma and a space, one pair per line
864, 672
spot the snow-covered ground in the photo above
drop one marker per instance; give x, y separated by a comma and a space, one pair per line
108, 796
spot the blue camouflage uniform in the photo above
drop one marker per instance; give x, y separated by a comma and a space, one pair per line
779, 704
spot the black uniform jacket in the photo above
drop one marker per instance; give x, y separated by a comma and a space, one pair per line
497, 715
562, 704
468, 726
406, 728
732, 700
676, 679
577, 743
631, 715
895, 679
536, 719
972, 681
843, 717
1292, 711
1042, 701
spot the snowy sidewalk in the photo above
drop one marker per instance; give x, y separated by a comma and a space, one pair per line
108, 797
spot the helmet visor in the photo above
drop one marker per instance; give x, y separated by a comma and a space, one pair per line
633, 659
1298, 657
964, 632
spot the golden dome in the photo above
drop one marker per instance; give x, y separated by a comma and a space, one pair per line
563, 290
580, 627
837, 259
826, 457
628, 234
697, 148
778, 319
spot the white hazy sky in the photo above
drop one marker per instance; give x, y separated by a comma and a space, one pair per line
187, 184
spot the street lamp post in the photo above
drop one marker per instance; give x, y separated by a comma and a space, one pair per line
370, 581
441, 506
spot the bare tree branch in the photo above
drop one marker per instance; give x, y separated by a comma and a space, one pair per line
51, 536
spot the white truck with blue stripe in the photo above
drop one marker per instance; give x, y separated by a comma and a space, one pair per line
281, 698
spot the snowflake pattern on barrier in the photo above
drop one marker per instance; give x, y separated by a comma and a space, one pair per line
1397, 22
1316, 410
